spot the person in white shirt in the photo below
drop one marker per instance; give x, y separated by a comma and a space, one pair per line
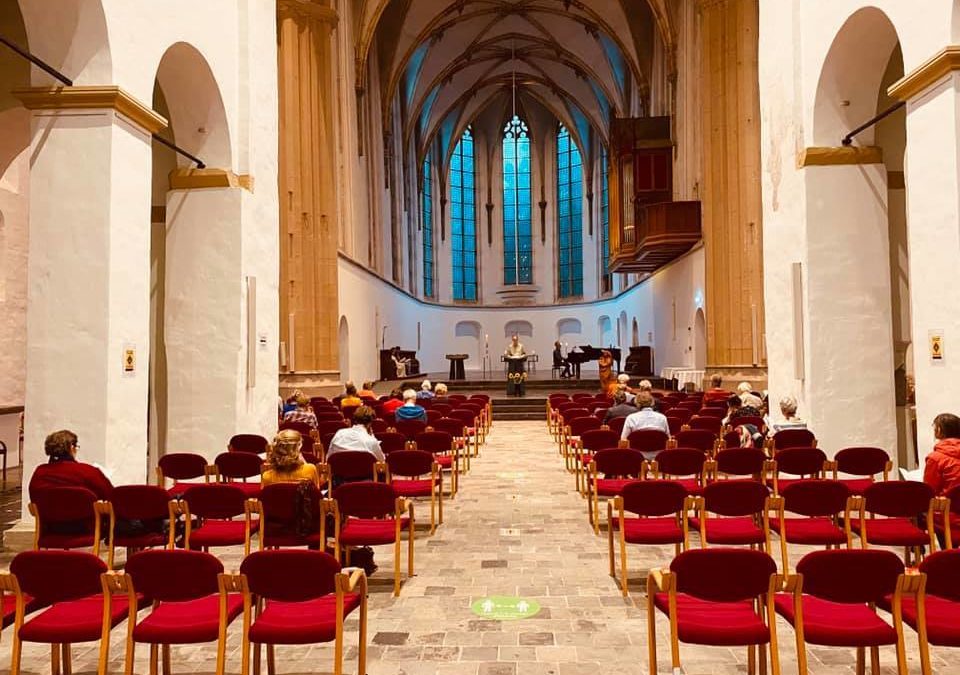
359, 437
788, 407
645, 418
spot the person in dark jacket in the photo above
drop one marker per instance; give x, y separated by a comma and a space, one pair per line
63, 469
620, 407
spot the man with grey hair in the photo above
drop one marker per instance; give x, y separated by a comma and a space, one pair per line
620, 407
425, 390
410, 410
645, 418
623, 384
788, 408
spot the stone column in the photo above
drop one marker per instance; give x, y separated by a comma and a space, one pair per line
308, 220
933, 213
732, 210
89, 275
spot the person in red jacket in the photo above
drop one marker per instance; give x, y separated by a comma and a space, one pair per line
63, 469
942, 470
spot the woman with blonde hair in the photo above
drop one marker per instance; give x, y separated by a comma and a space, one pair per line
285, 464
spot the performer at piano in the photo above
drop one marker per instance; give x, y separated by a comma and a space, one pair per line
516, 357
559, 361
608, 383
399, 362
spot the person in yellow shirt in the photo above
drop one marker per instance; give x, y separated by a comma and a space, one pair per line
285, 464
351, 400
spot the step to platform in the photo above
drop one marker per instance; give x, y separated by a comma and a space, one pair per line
520, 408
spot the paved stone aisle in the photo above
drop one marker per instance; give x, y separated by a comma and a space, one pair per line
516, 528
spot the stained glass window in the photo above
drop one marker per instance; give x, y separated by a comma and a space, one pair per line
517, 230
606, 279
570, 216
463, 220
426, 211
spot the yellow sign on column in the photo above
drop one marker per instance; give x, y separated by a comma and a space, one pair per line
936, 345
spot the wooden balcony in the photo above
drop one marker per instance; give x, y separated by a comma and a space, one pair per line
663, 232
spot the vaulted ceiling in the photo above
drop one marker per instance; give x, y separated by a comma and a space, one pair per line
441, 63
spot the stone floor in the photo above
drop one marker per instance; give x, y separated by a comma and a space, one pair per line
516, 528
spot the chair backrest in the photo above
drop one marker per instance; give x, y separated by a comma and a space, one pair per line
616, 425
141, 502
898, 499
574, 412
681, 462
467, 417
735, 497
65, 505
794, 438
433, 416
215, 500
861, 461
582, 397
442, 408
474, 407
708, 411
701, 439
434, 441
279, 503
290, 575
815, 498
410, 428
731, 439
653, 497
352, 465
331, 427
307, 444
740, 461
379, 425
409, 463
248, 443
749, 419
365, 500
723, 574
238, 464
580, 424
456, 398
850, 575
675, 423
623, 462
943, 574
800, 461
174, 576
713, 424
183, 465
326, 440
449, 425
391, 441
58, 576
331, 416
347, 412
647, 440
597, 439
682, 413
302, 427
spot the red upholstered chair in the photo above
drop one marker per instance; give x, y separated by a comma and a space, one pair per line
712, 411
792, 438
68, 584
687, 466
575, 428
442, 408
831, 602
347, 413
370, 514
410, 428
818, 506
379, 426
416, 473
236, 467
433, 416
701, 439
730, 439
353, 465
283, 524
480, 415
582, 396
714, 424
301, 597
391, 441
582, 452
456, 398
618, 466
738, 507
648, 441
683, 413
186, 597
445, 448
865, 463
674, 423
331, 427
660, 510
741, 463
216, 508
719, 597
470, 423
302, 428
616, 425
150, 506
949, 512
308, 445
181, 467
903, 506
253, 443
331, 417
67, 518
804, 463
752, 420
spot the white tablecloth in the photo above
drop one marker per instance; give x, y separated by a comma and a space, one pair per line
683, 375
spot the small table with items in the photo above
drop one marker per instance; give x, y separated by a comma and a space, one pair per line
456, 366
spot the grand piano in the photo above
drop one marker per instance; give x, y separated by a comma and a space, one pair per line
590, 353
388, 369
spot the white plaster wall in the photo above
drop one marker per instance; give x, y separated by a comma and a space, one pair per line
677, 292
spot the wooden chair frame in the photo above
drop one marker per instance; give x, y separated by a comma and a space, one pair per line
593, 497
775, 505
211, 471
250, 507
857, 508
173, 511
100, 508
436, 494
700, 508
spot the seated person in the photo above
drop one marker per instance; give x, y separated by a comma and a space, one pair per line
394, 402
620, 407
302, 413
285, 464
399, 362
425, 390
738, 407
367, 391
359, 437
559, 361
788, 407
410, 410
440, 389
645, 418
351, 399
623, 380
63, 470
716, 392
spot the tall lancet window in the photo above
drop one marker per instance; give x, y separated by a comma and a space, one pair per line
517, 236
606, 279
463, 220
426, 211
570, 216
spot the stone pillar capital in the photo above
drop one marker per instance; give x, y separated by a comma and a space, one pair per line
106, 97
313, 10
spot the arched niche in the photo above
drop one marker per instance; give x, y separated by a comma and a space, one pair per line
604, 331
468, 336
569, 327
343, 341
518, 327
699, 340
635, 333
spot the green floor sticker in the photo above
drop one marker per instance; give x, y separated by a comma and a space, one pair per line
505, 608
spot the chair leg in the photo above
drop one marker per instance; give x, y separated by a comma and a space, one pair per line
256, 658
362, 640
410, 539
55, 659
396, 568
271, 661
613, 571
165, 651
68, 663
623, 565
751, 659
15, 654
154, 659
651, 627
861, 661
874, 661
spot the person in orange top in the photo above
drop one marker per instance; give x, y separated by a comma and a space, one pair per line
942, 469
608, 383
285, 464
367, 391
351, 400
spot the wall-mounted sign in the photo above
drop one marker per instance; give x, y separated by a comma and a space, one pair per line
129, 360
936, 345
